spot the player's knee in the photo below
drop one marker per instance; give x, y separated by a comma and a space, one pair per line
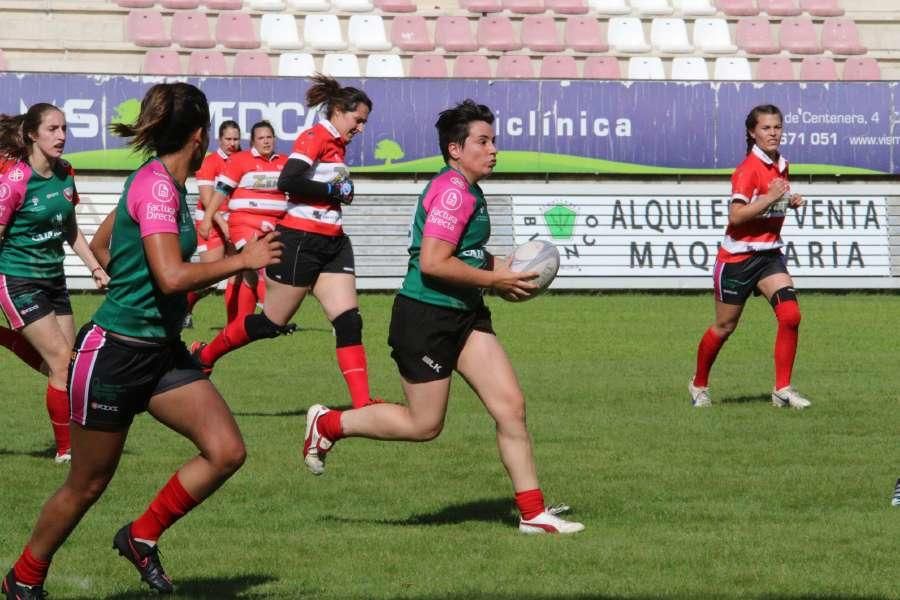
259, 326
348, 328
229, 457
426, 433
787, 310
724, 329
86, 493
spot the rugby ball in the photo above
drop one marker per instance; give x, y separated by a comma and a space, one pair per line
539, 256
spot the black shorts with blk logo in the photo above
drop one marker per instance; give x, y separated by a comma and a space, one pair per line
24, 300
734, 282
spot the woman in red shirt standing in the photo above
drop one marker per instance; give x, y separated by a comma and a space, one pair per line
750, 258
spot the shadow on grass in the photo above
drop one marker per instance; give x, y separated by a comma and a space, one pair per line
48, 452
748, 399
498, 510
283, 413
205, 588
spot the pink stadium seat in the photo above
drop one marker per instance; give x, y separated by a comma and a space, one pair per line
822, 8
840, 35
472, 66
862, 68
252, 64
738, 8
755, 36
495, 32
162, 62
818, 68
524, 7
780, 8
235, 30
584, 34
224, 4
428, 65
602, 67
135, 3
191, 30
410, 32
514, 66
559, 67
775, 68
539, 34
481, 6
145, 28
454, 34
180, 4
567, 7
207, 62
798, 35
4, 66
396, 6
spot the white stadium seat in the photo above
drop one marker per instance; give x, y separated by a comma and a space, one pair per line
651, 7
340, 65
691, 68
732, 68
366, 32
265, 4
279, 32
354, 5
323, 32
694, 8
712, 36
626, 34
610, 7
645, 67
670, 35
305, 6
296, 64
384, 65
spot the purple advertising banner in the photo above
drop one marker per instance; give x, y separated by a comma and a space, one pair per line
634, 127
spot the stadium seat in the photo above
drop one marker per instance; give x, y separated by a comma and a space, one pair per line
454, 34
264, 5
207, 62
650, 8
670, 36
779, 8
296, 64
366, 32
822, 8
162, 62
732, 68
396, 6
645, 67
252, 64
559, 67
626, 34
323, 32
428, 65
754, 36
523, 7
514, 66
840, 35
610, 7
818, 68
353, 5
135, 3
689, 68
410, 33
694, 8
145, 28
279, 32
190, 29
235, 30
712, 36
472, 66
305, 6
798, 35
862, 68
340, 65
224, 4
775, 68
180, 4
584, 34
738, 8
539, 34
384, 65
602, 67
495, 32
567, 7
481, 6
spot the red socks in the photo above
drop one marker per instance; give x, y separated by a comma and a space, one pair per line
192, 298
246, 301
234, 336
30, 570
329, 425
788, 315
21, 347
530, 503
352, 362
231, 298
171, 503
58, 409
709, 347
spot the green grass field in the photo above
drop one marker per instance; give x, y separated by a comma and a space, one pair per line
738, 501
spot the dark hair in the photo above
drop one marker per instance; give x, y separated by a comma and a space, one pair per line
260, 125
753, 119
453, 124
15, 142
326, 90
228, 125
170, 113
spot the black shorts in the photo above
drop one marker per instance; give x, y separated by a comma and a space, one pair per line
306, 254
426, 340
112, 379
734, 282
24, 300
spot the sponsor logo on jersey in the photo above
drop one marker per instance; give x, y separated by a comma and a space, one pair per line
16, 175
51, 195
451, 199
104, 407
162, 191
5, 191
457, 181
69, 193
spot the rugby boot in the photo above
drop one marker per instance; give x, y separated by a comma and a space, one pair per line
145, 559
195, 349
315, 445
13, 590
788, 396
699, 395
547, 522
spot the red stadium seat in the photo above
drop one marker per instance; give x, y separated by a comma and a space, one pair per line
780, 8
252, 64
862, 68
798, 35
524, 7
559, 67
207, 62
567, 7
145, 28
818, 68
191, 30
822, 8
224, 4
472, 66
162, 62
602, 67
584, 34
514, 66
396, 6
454, 34
235, 30
495, 32
180, 4
738, 8
481, 6
410, 32
775, 68
428, 65
539, 34
754, 35
840, 35
135, 3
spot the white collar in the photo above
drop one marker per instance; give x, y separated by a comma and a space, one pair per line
256, 154
221, 153
330, 127
761, 155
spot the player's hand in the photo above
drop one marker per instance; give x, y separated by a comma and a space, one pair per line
100, 277
796, 201
341, 191
262, 252
777, 188
203, 227
222, 224
512, 284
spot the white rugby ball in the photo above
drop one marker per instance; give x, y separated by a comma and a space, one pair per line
539, 256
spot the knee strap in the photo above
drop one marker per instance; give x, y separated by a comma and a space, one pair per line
783, 295
259, 326
787, 311
348, 328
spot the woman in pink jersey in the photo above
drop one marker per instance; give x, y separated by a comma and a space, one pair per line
37, 213
750, 258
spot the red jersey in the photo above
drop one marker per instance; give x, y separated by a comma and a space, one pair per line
750, 180
322, 148
254, 179
206, 175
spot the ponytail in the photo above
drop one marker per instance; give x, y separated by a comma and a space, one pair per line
328, 92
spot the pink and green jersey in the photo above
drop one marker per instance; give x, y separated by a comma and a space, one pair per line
39, 215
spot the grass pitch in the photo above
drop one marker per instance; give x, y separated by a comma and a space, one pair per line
738, 501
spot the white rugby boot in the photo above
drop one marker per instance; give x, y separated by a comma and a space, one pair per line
788, 396
315, 445
699, 395
547, 522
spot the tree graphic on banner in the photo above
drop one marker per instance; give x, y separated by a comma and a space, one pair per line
388, 150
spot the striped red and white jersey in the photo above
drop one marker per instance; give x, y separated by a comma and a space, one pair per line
321, 147
206, 176
254, 179
749, 181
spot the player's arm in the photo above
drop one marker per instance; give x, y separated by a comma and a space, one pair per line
294, 179
743, 186
100, 242
211, 208
437, 259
